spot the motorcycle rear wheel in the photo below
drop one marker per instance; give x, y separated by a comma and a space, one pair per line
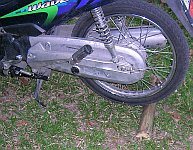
172, 60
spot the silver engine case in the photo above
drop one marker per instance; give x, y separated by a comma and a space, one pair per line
55, 53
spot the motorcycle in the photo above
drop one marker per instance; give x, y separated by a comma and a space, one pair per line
127, 51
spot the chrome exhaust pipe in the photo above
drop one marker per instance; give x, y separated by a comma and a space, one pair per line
149, 37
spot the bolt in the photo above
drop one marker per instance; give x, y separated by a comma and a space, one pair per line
19, 57
115, 60
122, 68
48, 46
30, 56
5, 66
75, 70
34, 70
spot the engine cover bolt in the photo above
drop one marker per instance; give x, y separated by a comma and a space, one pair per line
122, 68
19, 57
75, 70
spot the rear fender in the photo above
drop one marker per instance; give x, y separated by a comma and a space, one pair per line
178, 9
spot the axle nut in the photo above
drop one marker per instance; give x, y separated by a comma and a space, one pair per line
75, 70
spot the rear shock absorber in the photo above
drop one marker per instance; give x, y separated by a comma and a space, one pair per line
104, 31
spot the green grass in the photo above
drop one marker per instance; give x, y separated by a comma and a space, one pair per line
76, 118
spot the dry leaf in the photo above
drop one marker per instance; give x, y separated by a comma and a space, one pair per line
53, 118
21, 123
3, 118
8, 147
5, 93
185, 84
163, 1
175, 116
61, 95
143, 135
191, 138
92, 123
191, 52
24, 81
71, 107
167, 108
155, 80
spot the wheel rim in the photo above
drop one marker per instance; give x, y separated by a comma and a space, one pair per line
157, 75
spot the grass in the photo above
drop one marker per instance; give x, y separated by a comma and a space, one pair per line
76, 118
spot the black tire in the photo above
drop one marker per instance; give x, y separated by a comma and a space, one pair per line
169, 27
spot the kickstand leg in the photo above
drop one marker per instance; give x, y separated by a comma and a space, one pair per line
37, 93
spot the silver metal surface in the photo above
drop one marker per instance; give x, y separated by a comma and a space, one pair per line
98, 65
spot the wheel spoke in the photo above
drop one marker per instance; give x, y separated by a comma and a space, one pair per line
144, 83
121, 33
147, 82
146, 34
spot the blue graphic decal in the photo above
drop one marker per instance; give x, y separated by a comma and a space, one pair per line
66, 7
95, 1
54, 8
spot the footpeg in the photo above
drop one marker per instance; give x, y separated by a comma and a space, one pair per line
81, 54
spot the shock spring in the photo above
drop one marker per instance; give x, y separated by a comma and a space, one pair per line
104, 31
